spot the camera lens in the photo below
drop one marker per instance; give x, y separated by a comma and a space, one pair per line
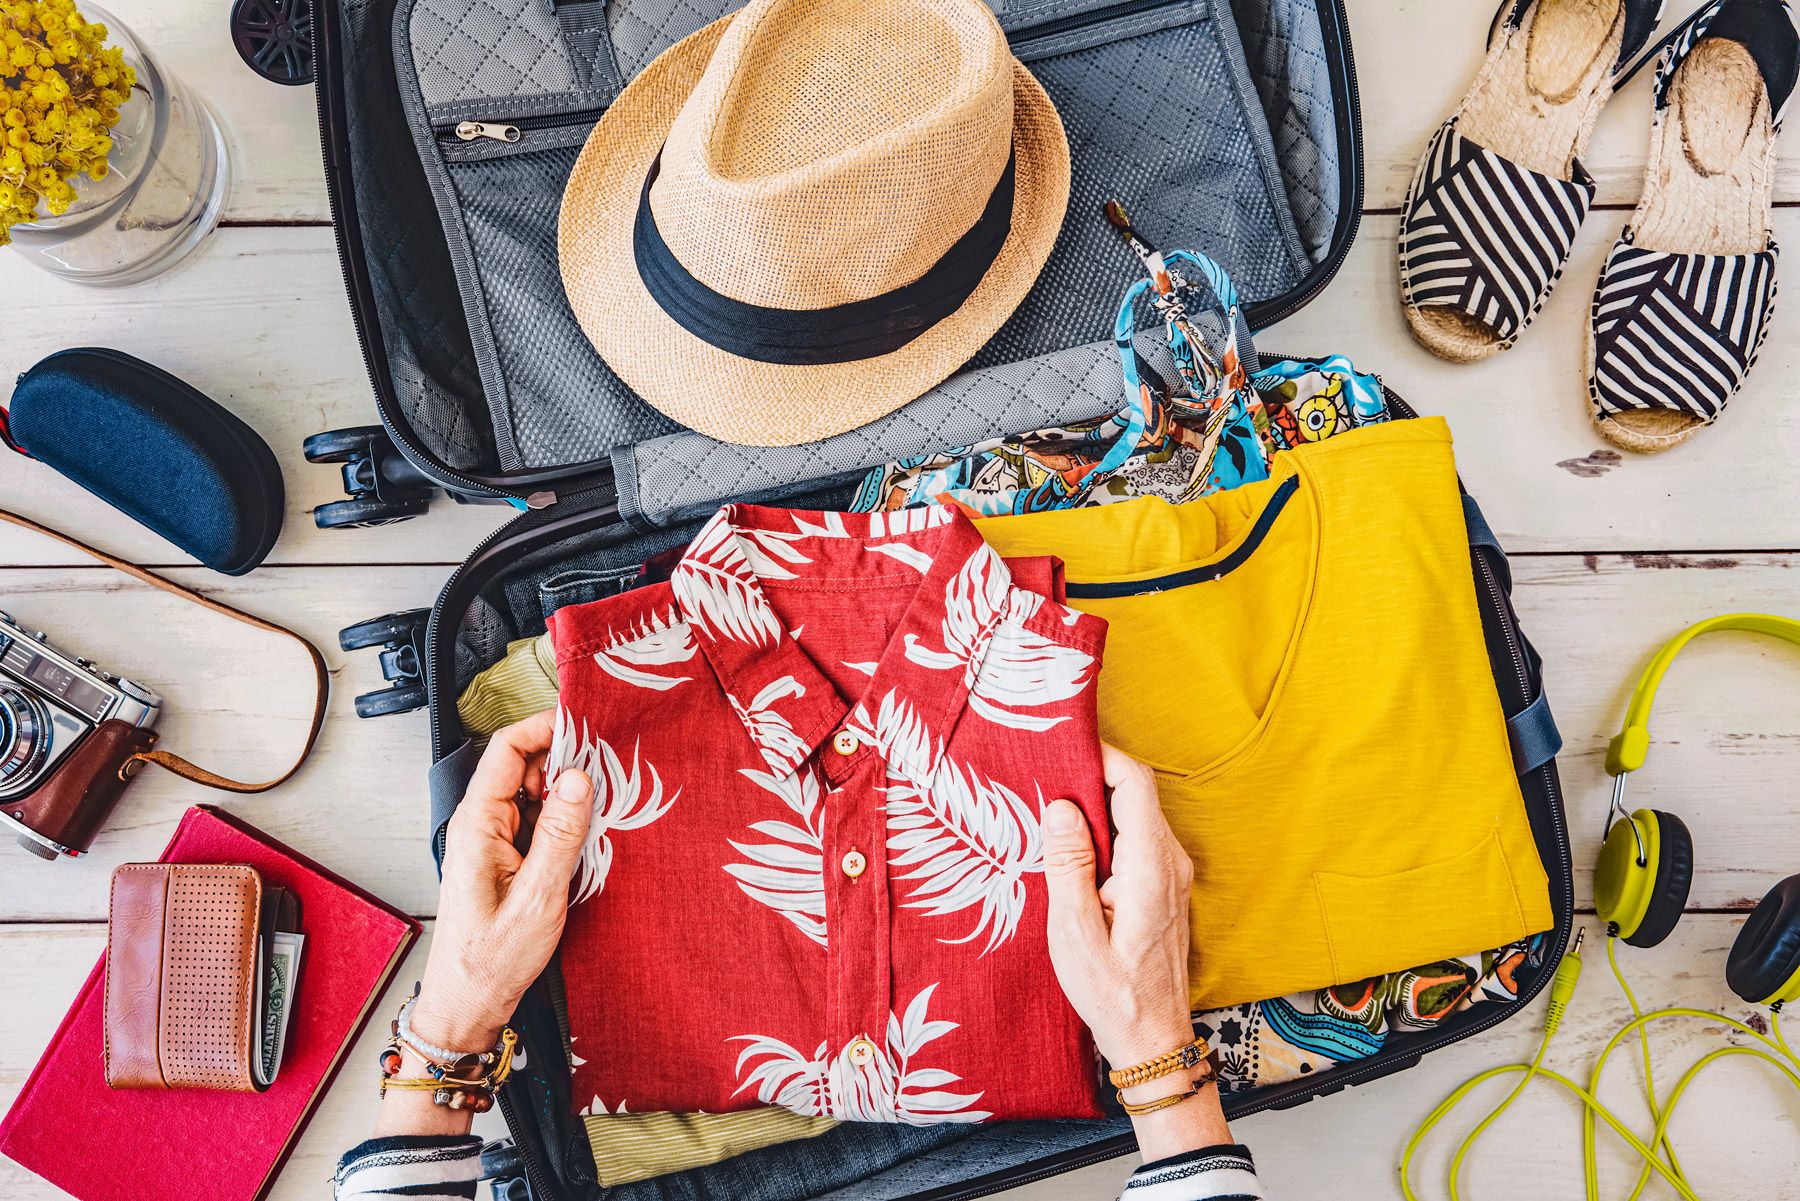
24, 735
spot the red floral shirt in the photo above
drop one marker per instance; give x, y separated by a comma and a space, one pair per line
814, 879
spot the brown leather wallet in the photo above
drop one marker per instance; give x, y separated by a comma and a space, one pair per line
186, 957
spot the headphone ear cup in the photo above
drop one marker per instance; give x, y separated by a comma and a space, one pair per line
1764, 963
1674, 875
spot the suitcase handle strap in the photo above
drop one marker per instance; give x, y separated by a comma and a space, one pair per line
1532, 730
166, 759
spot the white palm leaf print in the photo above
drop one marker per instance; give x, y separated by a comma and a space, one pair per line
973, 599
658, 641
903, 552
899, 734
1023, 670
773, 734
921, 1089
717, 588
625, 798
788, 874
965, 843
783, 1076
889, 1088
770, 553
828, 525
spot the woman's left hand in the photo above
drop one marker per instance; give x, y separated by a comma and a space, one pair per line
500, 913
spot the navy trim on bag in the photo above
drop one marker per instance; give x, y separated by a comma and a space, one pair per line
843, 333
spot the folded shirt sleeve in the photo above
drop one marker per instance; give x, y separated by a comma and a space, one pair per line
1222, 1173
414, 1167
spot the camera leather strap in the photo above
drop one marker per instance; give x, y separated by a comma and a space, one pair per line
167, 759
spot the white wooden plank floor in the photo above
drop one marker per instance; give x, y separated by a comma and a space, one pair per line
1611, 555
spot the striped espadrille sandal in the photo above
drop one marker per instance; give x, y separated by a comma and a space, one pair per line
1500, 191
1685, 297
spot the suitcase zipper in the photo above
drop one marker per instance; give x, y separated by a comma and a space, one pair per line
356, 282
510, 130
575, 507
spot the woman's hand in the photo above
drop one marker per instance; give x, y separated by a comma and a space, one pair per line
500, 913
1121, 951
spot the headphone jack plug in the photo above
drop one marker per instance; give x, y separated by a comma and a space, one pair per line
1562, 985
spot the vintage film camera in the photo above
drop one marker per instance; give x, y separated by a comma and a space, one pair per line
68, 731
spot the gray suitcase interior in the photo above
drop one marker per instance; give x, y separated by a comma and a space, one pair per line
1226, 127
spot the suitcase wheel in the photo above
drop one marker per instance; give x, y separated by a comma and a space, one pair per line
394, 627
363, 512
382, 484
340, 446
401, 637
275, 38
385, 701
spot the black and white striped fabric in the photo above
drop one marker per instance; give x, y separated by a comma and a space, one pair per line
1484, 236
1677, 331
1224, 1173
416, 1167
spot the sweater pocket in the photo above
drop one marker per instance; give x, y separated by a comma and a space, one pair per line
1379, 924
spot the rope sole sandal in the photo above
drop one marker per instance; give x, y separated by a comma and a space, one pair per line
1493, 207
1684, 300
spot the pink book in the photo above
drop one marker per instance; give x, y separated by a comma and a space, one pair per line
107, 1145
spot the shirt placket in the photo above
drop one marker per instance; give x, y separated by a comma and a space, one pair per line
859, 985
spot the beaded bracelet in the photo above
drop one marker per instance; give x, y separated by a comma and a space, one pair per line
456, 1079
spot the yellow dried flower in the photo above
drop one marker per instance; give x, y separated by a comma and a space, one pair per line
61, 86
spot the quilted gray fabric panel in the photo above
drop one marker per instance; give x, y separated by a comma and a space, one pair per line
687, 472
481, 49
1285, 50
643, 29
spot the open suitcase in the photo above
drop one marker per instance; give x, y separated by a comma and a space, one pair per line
1228, 126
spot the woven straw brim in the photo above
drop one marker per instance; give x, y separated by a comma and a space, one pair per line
740, 400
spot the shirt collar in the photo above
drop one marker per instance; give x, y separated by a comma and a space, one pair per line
921, 682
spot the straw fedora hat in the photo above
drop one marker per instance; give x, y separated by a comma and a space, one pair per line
810, 212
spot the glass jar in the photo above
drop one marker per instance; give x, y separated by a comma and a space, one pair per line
164, 189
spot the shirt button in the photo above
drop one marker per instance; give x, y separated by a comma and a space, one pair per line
845, 743
855, 864
862, 1052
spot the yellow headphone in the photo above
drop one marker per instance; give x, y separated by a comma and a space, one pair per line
1640, 889
1647, 863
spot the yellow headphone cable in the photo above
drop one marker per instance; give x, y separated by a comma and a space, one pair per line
1657, 1152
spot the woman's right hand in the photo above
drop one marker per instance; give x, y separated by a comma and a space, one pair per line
1120, 951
